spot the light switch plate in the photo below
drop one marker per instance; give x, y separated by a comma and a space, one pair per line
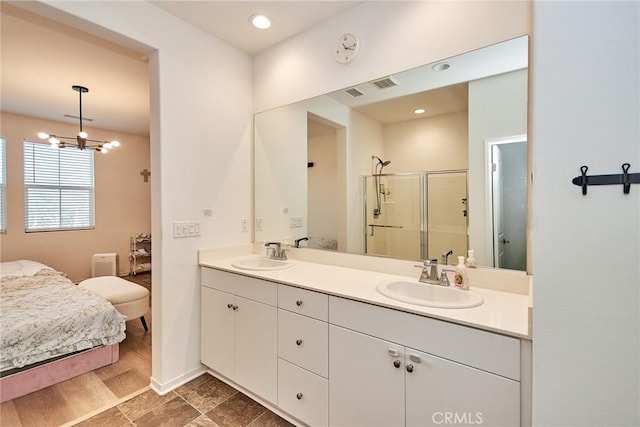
186, 229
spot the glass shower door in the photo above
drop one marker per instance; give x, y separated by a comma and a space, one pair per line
446, 215
393, 211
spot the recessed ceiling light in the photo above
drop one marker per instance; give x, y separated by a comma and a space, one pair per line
260, 21
441, 66
419, 111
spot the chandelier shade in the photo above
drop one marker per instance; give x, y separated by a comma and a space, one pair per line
81, 140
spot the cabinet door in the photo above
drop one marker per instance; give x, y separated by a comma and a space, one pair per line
439, 391
303, 341
366, 380
256, 348
217, 331
303, 394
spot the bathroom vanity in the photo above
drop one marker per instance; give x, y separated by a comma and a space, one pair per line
318, 344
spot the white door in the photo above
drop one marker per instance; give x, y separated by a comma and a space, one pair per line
366, 380
442, 392
509, 203
256, 348
499, 240
217, 337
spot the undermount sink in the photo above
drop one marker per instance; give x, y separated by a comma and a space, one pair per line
259, 263
429, 295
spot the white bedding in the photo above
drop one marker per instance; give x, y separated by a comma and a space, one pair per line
44, 315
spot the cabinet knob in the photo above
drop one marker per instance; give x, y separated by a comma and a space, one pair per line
299, 396
298, 342
409, 368
229, 305
235, 307
396, 363
299, 302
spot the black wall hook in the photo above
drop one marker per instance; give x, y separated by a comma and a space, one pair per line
625, 178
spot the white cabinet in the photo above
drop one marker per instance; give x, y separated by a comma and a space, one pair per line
374, 382
439, 391
239, 334
389, 368
328, 360
366, 380
303, 365
217, 347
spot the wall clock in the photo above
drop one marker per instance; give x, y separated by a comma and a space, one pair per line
347, 48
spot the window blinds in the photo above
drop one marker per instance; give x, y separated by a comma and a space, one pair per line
58, 188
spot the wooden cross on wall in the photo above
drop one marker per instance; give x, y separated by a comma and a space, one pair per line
145, 174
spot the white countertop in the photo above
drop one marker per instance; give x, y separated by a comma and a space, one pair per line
502, 312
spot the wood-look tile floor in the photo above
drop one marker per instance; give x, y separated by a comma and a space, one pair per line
69, 400
204, 401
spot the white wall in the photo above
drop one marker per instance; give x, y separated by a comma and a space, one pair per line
586, 111
395, 36
431, 144
122, 201
200, 157
497, 109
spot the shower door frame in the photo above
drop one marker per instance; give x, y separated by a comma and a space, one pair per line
424, 195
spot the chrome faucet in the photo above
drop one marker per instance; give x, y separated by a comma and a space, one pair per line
430, 274
276, 252
445, 256
297, 241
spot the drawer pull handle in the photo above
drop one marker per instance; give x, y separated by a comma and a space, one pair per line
299, 302
298, 342
396, 363
299, 396
409, 368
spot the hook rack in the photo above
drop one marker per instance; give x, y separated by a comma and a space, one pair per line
625, 179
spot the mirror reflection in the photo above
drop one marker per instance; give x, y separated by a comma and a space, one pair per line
424, 163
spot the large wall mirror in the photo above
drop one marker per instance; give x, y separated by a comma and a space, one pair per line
415, 165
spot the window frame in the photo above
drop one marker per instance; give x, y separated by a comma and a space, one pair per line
40, 178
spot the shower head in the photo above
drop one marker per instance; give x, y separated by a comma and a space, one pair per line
380, 162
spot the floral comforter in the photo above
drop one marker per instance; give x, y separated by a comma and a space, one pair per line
44, 315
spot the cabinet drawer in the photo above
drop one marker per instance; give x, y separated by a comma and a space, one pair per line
303, 394
237, 284
303, 341
302, 301
481, 349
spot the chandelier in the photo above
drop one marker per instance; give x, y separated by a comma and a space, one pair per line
80, 141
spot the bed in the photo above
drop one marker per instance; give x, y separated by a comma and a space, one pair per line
51, 330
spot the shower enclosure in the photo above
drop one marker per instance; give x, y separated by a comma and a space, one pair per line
416, 215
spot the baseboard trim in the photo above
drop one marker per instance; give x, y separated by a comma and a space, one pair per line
164, 388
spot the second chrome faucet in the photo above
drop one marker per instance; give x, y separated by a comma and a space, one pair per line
430, 274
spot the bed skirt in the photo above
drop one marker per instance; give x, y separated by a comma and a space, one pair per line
47, 374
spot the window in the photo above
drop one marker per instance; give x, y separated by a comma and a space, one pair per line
58, 188
3, 186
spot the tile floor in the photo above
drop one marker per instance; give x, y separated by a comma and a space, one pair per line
204, 401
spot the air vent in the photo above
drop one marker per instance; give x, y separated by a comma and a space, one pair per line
84, 119
385, 83
354, 92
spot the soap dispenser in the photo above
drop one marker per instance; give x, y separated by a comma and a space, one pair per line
461, 280
471, 260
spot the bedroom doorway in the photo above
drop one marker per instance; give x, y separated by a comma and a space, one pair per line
118, 181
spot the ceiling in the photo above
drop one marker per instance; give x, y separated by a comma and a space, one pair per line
40, 58
229, 20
